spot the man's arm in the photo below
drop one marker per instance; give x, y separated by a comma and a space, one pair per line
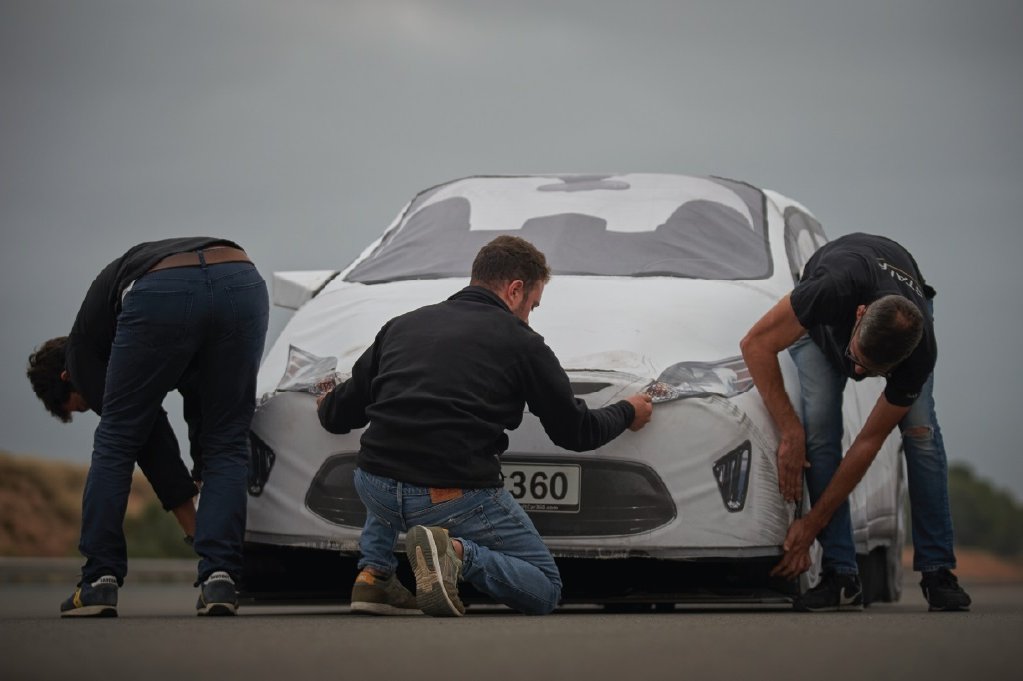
87, 368
775, 331
565, 418
344, 408
883, 418
643, 408
161, 463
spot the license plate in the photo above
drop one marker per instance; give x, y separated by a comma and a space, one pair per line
545, 488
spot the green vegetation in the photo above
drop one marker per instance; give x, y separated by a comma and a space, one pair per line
983, 516
153, 533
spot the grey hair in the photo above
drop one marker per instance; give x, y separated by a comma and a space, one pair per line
890, 330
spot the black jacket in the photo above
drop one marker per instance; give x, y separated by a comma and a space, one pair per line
440, 386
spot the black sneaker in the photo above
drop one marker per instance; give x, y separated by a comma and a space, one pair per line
834, 592
98, 599
942, 591
217, 596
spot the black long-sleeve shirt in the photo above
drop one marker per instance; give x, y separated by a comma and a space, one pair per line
440, 386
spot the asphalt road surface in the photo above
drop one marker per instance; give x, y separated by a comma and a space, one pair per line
158, 636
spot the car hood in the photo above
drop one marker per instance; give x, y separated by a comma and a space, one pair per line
638, 326
644, 325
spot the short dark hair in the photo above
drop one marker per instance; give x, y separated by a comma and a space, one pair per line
890, 330
45, 366
507, 258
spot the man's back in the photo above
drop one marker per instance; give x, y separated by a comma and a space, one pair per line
441, 385
448, 384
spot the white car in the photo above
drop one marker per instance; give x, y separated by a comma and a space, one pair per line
655, 279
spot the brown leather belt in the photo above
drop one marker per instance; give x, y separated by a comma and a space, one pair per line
214, 255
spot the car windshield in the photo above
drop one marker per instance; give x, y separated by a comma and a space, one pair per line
606, 225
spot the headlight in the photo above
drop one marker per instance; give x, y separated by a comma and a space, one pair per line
308, 373
728, 378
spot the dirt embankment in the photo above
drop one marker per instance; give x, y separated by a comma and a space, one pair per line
977, 565
41, 505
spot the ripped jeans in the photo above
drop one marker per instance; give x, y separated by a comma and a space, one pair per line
504, 555
926, 465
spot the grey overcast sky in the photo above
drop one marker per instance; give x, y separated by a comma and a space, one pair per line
300, 128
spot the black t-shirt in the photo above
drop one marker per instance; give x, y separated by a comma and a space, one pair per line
856, 270
88, 348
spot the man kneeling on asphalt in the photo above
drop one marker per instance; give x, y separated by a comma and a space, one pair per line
439, 387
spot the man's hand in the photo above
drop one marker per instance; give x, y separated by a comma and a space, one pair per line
791, 462
796, 560
644, 407
775, 331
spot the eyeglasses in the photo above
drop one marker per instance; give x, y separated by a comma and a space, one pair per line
868, 370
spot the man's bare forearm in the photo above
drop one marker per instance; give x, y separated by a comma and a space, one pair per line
849, 473
766, 373
773, 333
883, 419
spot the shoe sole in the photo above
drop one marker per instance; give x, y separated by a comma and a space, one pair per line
91, 611
431, 597
217, 610
364, 608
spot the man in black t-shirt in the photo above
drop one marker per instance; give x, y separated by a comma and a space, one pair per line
861, 308
187, 313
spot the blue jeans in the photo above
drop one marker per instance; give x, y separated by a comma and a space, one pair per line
926, 465
208, 319
504, 556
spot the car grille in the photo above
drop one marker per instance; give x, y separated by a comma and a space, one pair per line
616, 497
332, 494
